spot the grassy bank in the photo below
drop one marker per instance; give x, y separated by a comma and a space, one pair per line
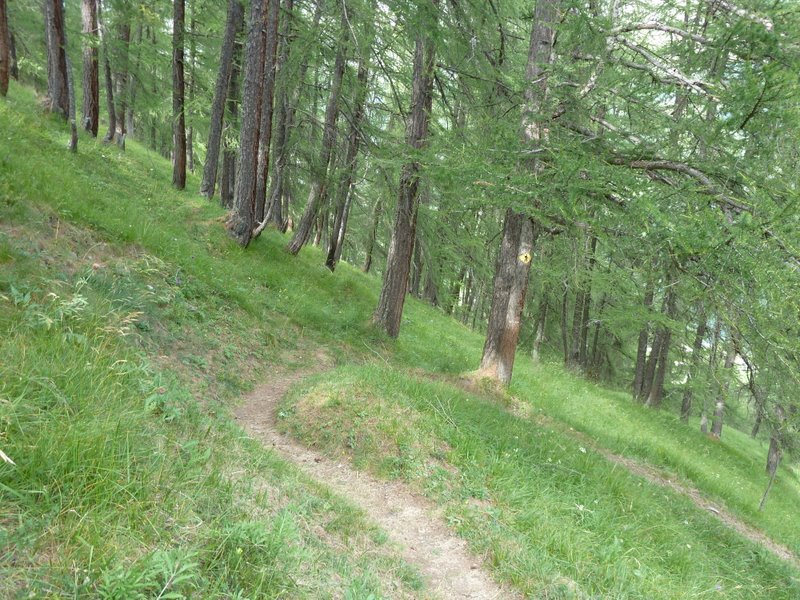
129, 323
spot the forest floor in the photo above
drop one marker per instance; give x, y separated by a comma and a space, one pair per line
412, 521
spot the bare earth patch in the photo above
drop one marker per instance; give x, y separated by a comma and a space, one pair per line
410, 520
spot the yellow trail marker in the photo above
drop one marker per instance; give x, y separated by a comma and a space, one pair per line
525, 258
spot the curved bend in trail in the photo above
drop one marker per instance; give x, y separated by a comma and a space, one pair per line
410, 520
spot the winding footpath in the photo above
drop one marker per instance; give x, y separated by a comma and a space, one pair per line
410, 520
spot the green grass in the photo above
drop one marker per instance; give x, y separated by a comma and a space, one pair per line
130, 473
117, 371
555, 518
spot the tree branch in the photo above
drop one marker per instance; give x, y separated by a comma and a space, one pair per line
655, 26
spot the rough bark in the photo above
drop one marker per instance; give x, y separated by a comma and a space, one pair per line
656, 391
641, 351
192, 80
242, 219
389, 312
719, 406
513, 264
344, 195
228, 177
109, 82
57, 100
91, 73
178, 91
5, 49
697, 349
233, 24
270, 66
377, 212
318, 193
510, 285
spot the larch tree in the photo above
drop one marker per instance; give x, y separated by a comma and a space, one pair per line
242, 219
178, 96
389, 312
514, 259
345, 191
267, 96
57, 100
233, 22
5, 49
91, 74
318, 191
107, 76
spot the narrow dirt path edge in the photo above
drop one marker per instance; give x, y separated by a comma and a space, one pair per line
409, 519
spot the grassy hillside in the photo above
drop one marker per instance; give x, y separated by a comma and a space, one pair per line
129, 323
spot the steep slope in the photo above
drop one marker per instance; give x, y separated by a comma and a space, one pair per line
153, 302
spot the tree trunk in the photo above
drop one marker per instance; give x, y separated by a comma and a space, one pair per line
192, 87
377, 212
318, 193
650, 366
344, 195
57, 100
513, 264
564, 336
641, 351
287, 105
132, 87
594, 359
389, 312
270, 53
656, 392
232, 26
5, 50
242, 219
587, 303
121, 81
12, 48
712, 366
697, 349
583, 299
109, 83
541, 324
178, 90
91, 74
228, 178
775, 451
510, 285
73, 119
719, 408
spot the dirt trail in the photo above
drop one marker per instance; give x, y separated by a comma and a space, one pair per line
409, 519
659, 477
